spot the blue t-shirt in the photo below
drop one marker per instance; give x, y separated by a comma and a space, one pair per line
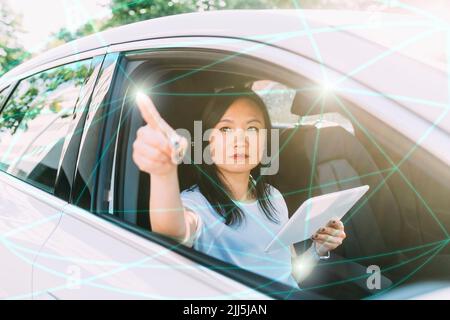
242, 245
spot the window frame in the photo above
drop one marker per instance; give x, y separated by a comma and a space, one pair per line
63, 188
97, 107
3, 91
7, 90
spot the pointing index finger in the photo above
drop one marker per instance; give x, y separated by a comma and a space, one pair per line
151, 115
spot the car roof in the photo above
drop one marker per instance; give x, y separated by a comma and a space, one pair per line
245, 24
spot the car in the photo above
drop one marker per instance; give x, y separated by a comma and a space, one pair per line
350, 111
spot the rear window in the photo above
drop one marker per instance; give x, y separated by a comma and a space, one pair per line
35, 122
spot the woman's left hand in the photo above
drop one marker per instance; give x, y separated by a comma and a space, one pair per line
329, 237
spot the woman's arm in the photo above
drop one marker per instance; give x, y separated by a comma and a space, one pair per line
167, 214
152, 153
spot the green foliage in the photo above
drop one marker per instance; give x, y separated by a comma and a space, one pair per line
11, 54
28, 103
130, 11
124, 12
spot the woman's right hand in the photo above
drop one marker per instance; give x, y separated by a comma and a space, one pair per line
152, 150
153, 153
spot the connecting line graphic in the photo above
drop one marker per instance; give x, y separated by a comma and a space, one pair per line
137, 264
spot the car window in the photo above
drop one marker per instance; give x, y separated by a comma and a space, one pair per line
181, 100
35, 122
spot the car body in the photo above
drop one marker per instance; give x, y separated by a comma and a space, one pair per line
74, 221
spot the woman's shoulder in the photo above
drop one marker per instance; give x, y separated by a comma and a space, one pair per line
274, 192
193, 199
277, 199
192, 190
193, 195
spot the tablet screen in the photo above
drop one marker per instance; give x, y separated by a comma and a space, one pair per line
315, 213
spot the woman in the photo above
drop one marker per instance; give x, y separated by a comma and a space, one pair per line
231, 213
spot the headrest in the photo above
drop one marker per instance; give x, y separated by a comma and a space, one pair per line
309, 102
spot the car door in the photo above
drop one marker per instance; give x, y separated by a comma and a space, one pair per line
34, 124
91, 255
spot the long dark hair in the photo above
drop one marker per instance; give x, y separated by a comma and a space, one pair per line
209, 182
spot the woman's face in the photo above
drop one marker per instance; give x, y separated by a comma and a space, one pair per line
238, 140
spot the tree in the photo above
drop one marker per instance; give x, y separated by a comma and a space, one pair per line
11, 53
129, 11
124, 12
25, 105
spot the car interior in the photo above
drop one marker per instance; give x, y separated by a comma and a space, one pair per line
315, 159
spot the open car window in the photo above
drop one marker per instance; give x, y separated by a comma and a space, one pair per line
325, 147
180, 93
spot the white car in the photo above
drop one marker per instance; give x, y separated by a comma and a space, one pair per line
353, 109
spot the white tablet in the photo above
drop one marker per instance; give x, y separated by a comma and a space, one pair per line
315, 213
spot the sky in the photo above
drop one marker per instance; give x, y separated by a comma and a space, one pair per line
43, 17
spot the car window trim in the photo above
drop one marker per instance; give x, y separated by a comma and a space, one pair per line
32, 70
96, 65
110, 60
7, 92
